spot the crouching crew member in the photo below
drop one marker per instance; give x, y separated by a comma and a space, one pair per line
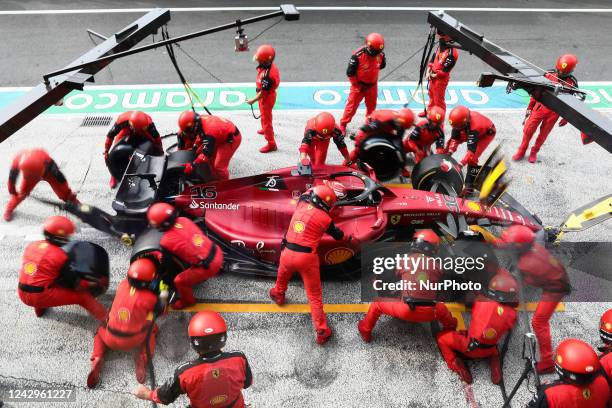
35, 165
417, 305
310, 221
362, 72
184, 240
215, 379
425, 133
41, 269
605, 332
319, 130
134, 128
383, 122
540, 269
217, 139
538, 115
268, 80
471, 127
493, 315
129, 321
581, 382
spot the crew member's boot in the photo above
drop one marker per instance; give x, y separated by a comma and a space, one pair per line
94, 375
323, 335
533, 155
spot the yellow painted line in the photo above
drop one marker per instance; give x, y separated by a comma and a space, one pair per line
455, 308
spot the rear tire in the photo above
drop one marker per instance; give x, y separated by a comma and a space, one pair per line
386, 156
439, 173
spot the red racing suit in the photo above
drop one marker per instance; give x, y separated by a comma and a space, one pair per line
306, 228
478, 134
441, 65
417, 305
204, 258
491, 320
422, 137
380, 123
121, 131
51, 174
560, 394
542, 117
315, 145
128, 322
605, 359
210, 382
362, 73
268, 80
217, 142
40, 269
542, 270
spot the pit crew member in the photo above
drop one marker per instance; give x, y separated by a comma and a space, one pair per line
438, 72
471, 127
425, 133
317, 134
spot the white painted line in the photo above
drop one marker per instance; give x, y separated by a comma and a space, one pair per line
313, 8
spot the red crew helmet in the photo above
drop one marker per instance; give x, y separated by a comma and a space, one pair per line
207, 331
605, 327
325, 123
161, 216
139, 121
58, 229
435, 115
459, 117
141, 273
32, 164
576, 361
187, 120
326, 194
503, 287
425, 241
265, 54
566, 64
405, 118
375, 42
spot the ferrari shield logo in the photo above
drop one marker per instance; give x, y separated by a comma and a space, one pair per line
29, 268
500, 310
395, 218
216, 373
586, 393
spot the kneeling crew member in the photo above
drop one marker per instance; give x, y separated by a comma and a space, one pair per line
129, 320
217, 139
417, 305
425, 133
319, 130
215, 379
581, 382
471, 127
184, 240
310, 221
41, 268
493, 315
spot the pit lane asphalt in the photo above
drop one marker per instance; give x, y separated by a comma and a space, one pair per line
316, 48
401, 368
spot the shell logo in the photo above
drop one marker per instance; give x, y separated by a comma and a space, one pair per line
197, 240
298, 227
219, 399
500, 310
338, 255
29, 268
216, 373
474, 206
123, 314
586, 393
490, 333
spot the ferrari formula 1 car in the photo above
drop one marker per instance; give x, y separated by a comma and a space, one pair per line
249, 216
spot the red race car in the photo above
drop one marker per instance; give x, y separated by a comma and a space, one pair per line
248, 216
